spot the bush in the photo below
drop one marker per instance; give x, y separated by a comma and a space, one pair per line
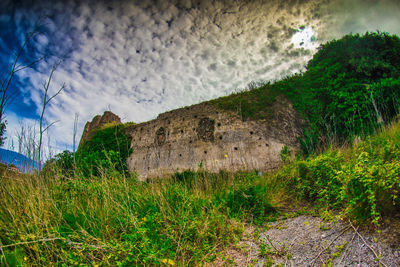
363, 181
108, 149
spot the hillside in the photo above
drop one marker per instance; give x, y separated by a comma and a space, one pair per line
350, 88
343, 179
23, 163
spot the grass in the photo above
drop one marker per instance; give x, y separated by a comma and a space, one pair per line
256, 104
186, 219
116, 220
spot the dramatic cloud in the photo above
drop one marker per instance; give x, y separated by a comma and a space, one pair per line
142, 58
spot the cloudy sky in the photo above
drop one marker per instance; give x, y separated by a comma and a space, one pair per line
141, 58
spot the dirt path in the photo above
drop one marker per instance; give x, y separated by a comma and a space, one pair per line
309, 241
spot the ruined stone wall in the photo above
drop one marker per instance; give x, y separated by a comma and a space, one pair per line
202, 135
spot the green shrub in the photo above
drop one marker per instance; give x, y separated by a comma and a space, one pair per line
249, 202
363, 181
350, 88
107, 149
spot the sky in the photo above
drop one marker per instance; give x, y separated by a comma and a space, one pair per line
141, 58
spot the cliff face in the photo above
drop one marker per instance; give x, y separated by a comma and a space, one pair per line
202, 135
96, 123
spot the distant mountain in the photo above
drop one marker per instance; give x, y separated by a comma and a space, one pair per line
23, 163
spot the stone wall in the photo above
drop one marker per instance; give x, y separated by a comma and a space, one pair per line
201, 135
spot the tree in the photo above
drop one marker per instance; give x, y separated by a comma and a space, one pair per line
5, 96
46, 101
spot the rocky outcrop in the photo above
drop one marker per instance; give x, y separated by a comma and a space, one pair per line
204, 136
96, 123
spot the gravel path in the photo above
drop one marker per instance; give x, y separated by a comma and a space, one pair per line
309, 241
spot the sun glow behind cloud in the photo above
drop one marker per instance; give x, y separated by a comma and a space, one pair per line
305, 38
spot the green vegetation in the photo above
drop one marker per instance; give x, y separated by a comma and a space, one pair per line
116, 220
113, 219
349, 89
107, 149
84, 208
254, 104
363, 181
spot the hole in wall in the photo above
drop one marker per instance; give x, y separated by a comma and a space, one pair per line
205, 152
195, 116
266, 145
180, 155
160, 136
220, 138
181, 131
251, 132
190, 141
205, 129
235, 148
219, 124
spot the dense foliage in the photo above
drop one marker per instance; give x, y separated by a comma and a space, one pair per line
363, 181
85, 209
350, 87
107, 149
116, 220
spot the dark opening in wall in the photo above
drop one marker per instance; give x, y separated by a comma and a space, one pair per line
219, 124
183, 119
195, 116
251, 132
181, 131
190, 141
259, 138
205, 129
205, 152
180, 155
220, 138
266, 145
160, 136
235, 148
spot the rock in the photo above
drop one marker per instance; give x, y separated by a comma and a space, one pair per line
96, 123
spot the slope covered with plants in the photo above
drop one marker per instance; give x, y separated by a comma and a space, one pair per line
85, 209
349, 88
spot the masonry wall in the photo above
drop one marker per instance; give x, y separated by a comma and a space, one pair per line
202, 135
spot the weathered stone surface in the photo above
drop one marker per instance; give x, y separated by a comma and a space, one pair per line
96, 123
203, 135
